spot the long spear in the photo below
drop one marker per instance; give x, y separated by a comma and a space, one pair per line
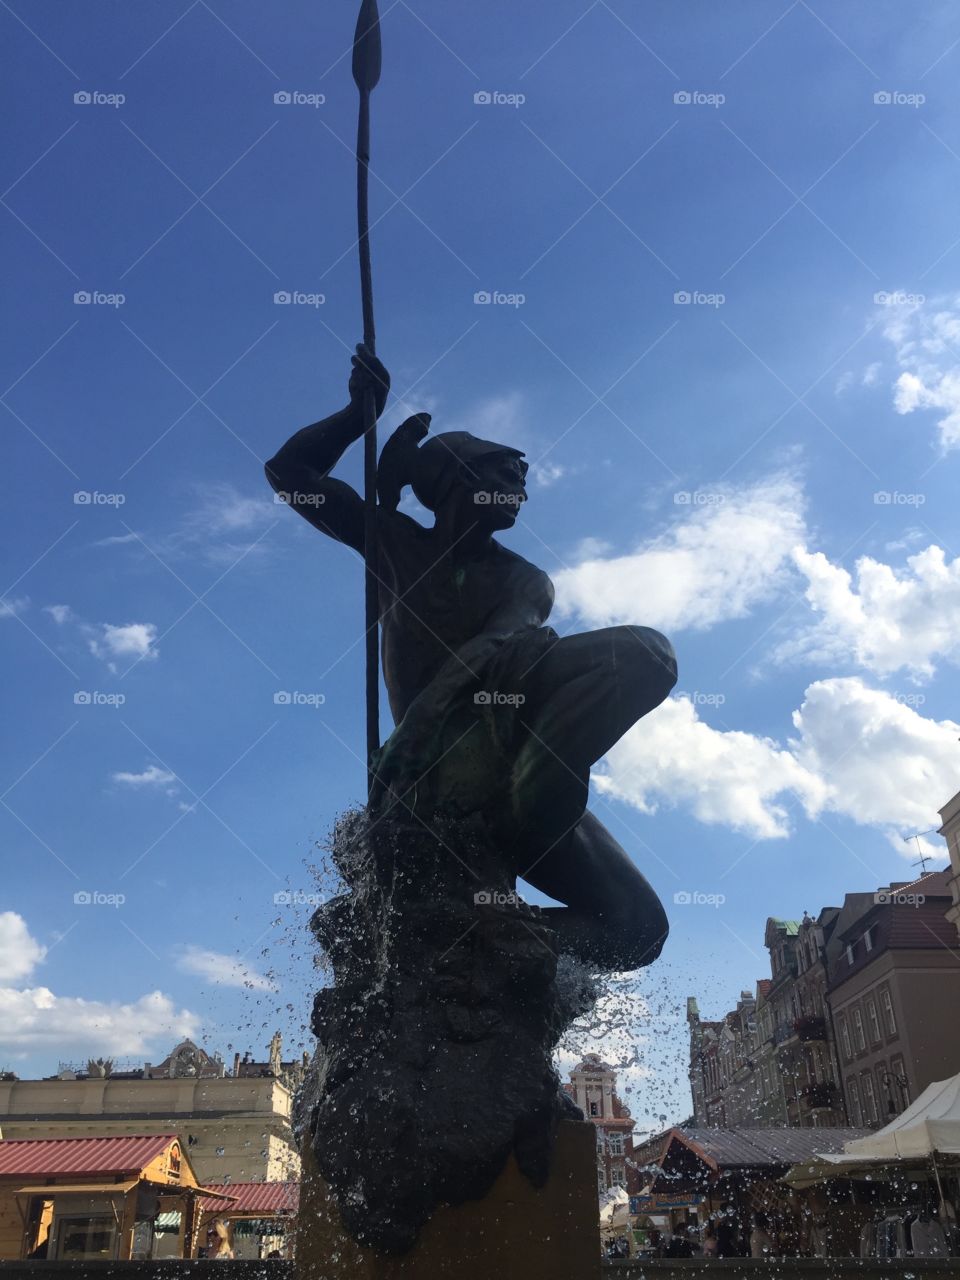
366, 72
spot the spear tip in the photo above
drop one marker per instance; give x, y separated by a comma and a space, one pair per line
366, 47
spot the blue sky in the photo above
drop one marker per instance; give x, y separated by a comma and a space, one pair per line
767, 470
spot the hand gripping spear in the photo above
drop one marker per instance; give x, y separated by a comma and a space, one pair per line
366, 72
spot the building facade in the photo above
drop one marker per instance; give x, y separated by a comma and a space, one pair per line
950, 830
856, 1019
236, 1127
593, 1087
894, 995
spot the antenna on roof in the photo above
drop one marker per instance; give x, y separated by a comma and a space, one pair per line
924, 857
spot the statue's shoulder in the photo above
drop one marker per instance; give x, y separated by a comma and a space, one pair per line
531, 577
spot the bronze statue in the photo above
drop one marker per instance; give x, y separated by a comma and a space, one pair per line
495, 713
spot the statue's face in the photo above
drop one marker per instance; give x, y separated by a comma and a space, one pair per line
495, 487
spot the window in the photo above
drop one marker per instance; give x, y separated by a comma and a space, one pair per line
601, 1181
868, 939
853, 1098
858, 1030
594, 1108
887, 1005
615, 1143
900, 1083
872, 1014
845, 1038
618, 1177
849, 953
869, 1098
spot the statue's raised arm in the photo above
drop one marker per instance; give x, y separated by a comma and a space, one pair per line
299, 472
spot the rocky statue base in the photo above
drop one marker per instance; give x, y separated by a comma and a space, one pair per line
516, 1232
433, 1101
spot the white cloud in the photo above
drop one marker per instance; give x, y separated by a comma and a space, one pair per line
132, 640
883, 763
859, 753
544, 474
735, 779
226, 971
11, 608
880, 617
60, 613
926, 337
19, 952
731, 553
36, 1020
152, 776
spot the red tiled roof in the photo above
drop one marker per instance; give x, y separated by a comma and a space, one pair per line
256, 1197
80, 1157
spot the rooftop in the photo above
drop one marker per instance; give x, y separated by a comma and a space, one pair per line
81, 1157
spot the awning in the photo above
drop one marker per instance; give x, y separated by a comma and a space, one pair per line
78, 1189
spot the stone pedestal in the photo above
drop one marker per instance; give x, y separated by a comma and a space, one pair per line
516, 1232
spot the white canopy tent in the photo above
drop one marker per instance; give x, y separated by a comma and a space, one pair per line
929, 1127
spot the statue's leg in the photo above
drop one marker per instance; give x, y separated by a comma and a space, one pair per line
615, 919
581, 697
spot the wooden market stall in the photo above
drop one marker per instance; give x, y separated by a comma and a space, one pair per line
87, 1198
257, 1221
